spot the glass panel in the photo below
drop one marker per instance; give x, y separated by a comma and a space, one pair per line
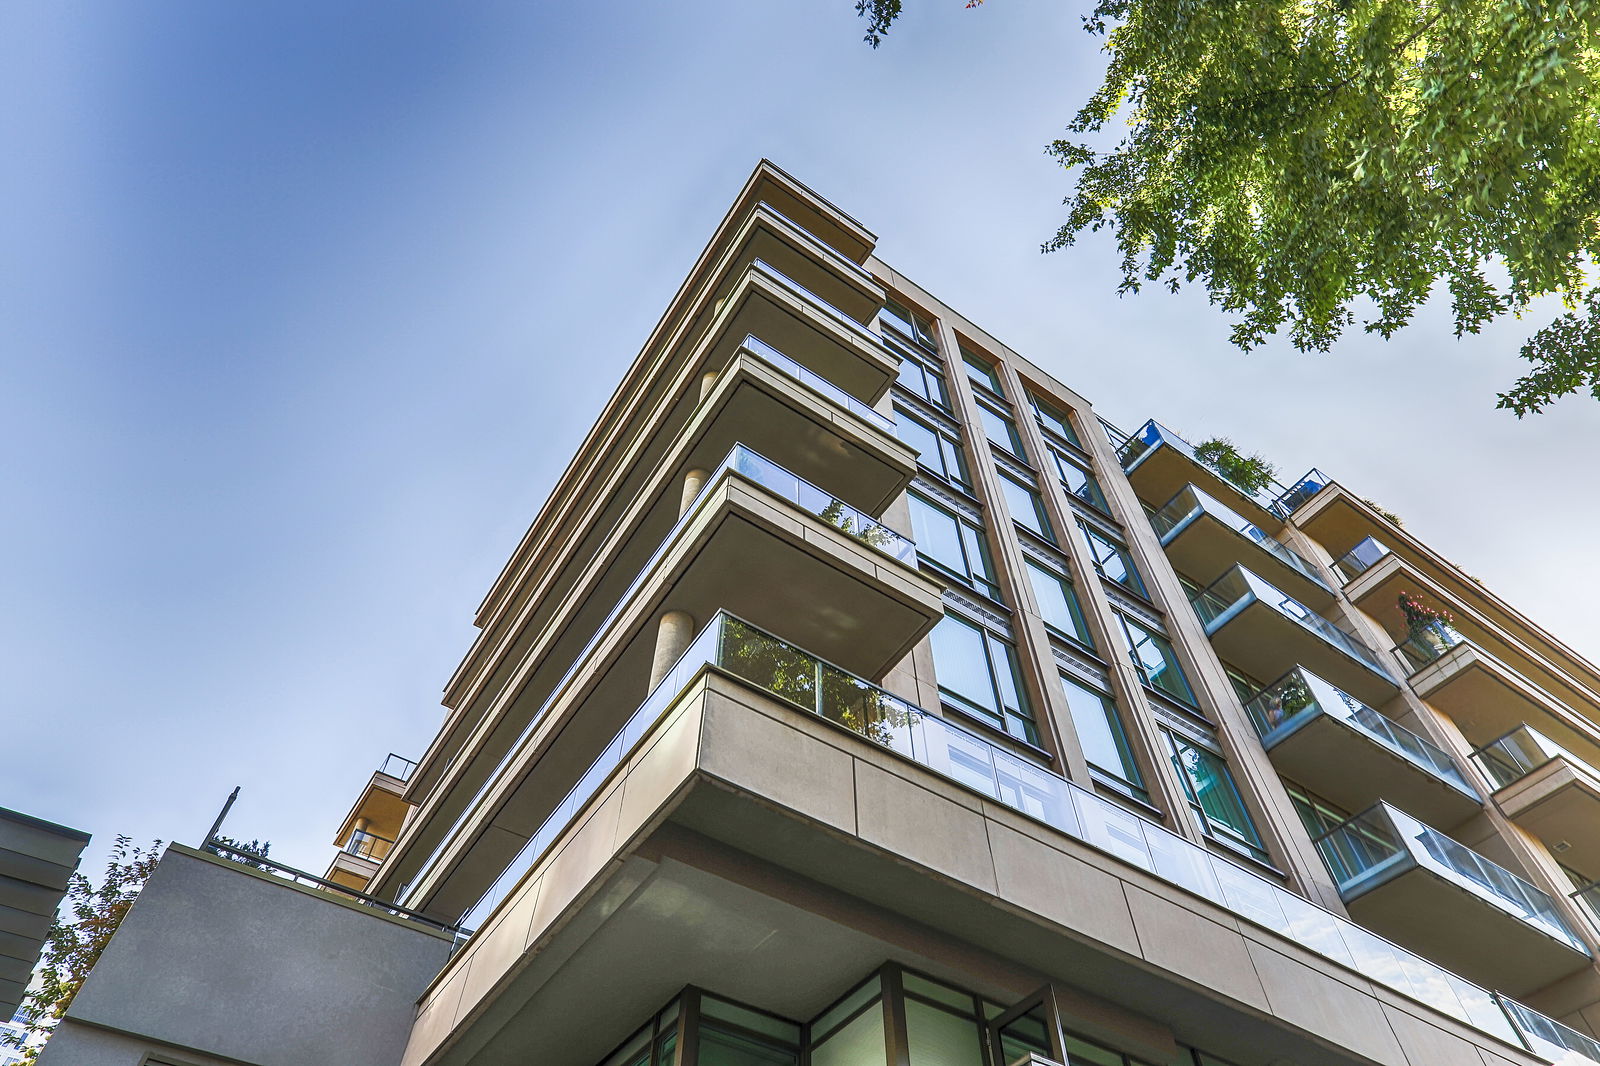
1359, 558
1026, 508
1214, 795
860, 1043
1152, 655
1058, 603
1519, 753
962, 665
1190, 502
936, 452
835, 1015
1112, 560
1029, 1032
1077, 480
936, 1037
984, 375
1081, 1052
1099, 729
719, 1047
1238, 588
816, 382
1000, 430
1054, 420
785, 1032
942, 993
769, 663
952, 543
911, 324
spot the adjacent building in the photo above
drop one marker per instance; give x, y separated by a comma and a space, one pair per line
861, 697
36, 860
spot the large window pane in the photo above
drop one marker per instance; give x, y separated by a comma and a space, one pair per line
1099, 729
911, 324
1000, 430
1058, 603
719, 1047
1112, 560
923, 379
1078, 481
1054, 420
1027, 510
982, 374
952, 544
977, 673
936, 451
1155, 660
1214, 795
938, 1038
860, 1043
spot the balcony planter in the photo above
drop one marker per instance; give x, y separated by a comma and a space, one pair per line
1427, 628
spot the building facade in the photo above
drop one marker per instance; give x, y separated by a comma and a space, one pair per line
37, 860
859, 697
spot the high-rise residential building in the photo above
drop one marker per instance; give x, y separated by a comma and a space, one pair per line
860, 698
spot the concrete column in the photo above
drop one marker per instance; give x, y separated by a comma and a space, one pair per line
673, 633
693, 482
708, 381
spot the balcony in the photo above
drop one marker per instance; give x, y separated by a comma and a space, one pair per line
1301, 492
1355, 562
1262, 631
757, 539
1340, 748
770, 304
760, 746
1409, 881
1548, 791
1160, 463
1203, 537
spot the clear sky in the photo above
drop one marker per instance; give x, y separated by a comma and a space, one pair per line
304, 307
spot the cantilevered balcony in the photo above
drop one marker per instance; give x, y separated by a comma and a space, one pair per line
755, 744
1301, 492
1262, 630
1344, 750
1548, 791
1204, 537
377, 815
1160, 463
1361, 558
758, 540
1413, 883
772, 305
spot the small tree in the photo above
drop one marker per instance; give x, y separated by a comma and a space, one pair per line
1252, 473
83, 927
244, 854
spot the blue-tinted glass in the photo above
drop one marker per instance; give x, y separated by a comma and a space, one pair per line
1099, 729
1027, 510
1058, 603
1000, 430
1212, 791
1112, 560
1155, 660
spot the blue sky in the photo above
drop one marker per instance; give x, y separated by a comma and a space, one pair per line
303, 308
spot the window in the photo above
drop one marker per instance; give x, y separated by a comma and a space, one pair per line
922, 377
912, 325
1077, 479
1214, 796
1111, 560
982, 374
938, 452
1058, 603
1360, 847
977, 674
1105, 742
1155, 660
1054, 421
1027, 510
953, 544
1001, 431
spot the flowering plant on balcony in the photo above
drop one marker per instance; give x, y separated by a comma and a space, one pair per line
1420, 617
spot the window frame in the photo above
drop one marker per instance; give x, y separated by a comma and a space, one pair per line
1252, 845
983, 373
1083, 637
949, 447
1064, 460
1130, 782
1046, 530
1056, 415
924, 334
971, 537
1027, 731
1128, 625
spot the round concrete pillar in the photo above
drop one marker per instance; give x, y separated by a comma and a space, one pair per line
708, 381
693, 482
673, 634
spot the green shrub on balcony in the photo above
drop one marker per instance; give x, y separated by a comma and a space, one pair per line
1251, 473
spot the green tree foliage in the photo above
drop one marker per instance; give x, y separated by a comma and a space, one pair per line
1318, 163
1252, 473
89, 915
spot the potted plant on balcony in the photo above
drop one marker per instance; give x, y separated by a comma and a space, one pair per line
1428, 629
1250, 473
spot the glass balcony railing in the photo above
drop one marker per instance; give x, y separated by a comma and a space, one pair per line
1191, 502
1238, 588
745, 463
1427, 643
397, 767
1299, 696
368, 845
810, 295
815, 382
1549, 1039
1153, 435
1295, 496
812, 685
1364, 850
1519, 753
1358, 559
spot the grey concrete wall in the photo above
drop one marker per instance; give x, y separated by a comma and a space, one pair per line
238, 965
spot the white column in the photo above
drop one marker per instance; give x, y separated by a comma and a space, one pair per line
673, 633
693, 482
